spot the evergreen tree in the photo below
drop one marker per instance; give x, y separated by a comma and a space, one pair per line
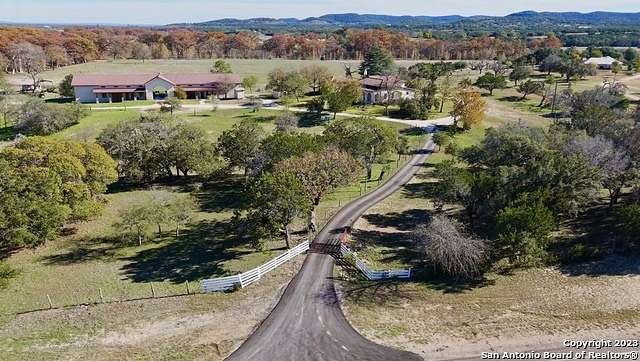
376, 62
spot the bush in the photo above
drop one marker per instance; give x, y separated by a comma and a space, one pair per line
36, 117
442, 139
414, 109
451, 249
580, 252
65, 89
287, 122
180, 93
630, 218
523, 230
6, 273
316, 105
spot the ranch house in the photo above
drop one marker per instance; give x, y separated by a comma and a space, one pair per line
90, 88
381, 89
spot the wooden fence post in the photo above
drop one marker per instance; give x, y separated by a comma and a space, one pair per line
188, 290
50, 303
101, 295
153, 291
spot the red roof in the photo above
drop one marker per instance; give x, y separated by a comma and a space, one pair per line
381, 81
114, 90
141, 79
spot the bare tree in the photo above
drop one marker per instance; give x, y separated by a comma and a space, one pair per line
450, 249
480, 66
316, 76
141, 51
287, 122
390, 83
30, 59
613, 162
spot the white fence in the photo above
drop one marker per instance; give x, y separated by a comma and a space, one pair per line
373, 275
249, 277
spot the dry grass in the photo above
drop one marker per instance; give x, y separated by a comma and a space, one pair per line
193, 327
521, 308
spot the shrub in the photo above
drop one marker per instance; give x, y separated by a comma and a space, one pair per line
442, 139
451, 249
35, 117
180, 93
580, 252
65, 89
316, 105
414, 109
6, 273
523, 230
630, 218
287, 122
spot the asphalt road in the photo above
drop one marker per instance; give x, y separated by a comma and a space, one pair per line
307, 324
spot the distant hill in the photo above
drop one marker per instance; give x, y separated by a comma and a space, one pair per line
530, 18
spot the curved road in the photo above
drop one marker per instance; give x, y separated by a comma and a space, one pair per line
307, 324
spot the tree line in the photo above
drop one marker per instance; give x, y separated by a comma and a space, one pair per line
19, 47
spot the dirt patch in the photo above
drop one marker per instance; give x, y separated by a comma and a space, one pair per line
537, 307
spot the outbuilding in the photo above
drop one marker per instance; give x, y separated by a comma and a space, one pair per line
605, 62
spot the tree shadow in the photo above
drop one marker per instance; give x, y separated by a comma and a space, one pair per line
200, 252
7, 133
403, 221
221, 195
181, 182
615, 265
597, 227
102, 249
510, 98
376, 292
412, 131
437, 281
258, 118
422, 190
309, 120
397, 247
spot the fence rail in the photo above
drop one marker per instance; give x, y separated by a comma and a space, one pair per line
373, 275
253, 275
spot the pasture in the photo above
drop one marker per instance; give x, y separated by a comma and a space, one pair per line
92, 256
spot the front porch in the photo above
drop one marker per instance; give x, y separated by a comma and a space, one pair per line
118, 95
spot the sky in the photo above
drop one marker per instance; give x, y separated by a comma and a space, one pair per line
173, 11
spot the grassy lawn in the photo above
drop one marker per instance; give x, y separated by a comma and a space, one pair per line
72, 269
91, 126
216, 122
212, 122
196, 327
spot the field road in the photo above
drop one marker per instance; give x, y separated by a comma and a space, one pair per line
307, 324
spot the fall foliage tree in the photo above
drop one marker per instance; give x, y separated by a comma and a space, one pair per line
468, 109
